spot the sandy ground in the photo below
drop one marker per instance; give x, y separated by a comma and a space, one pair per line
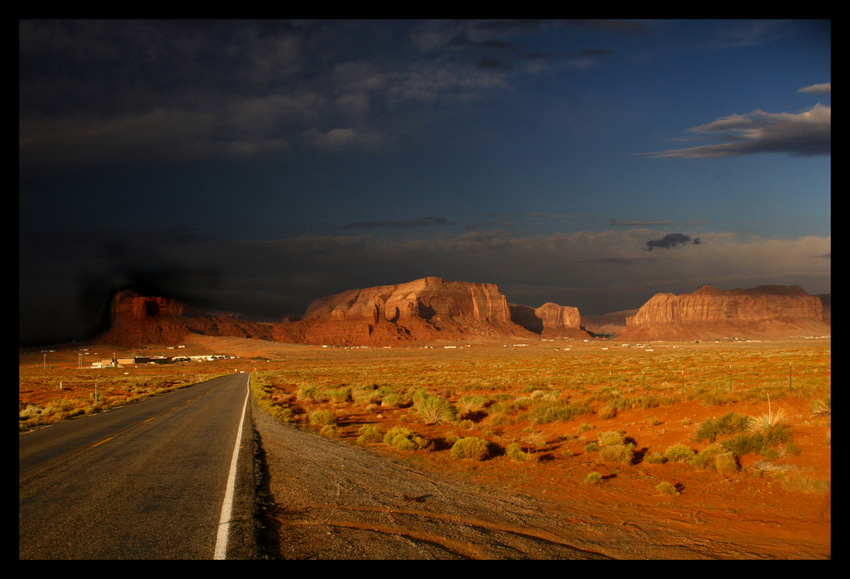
331, 498
328, 499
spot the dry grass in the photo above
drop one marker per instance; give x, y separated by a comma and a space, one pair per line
532, 405
768, 422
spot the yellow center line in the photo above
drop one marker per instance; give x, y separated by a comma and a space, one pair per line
111, 437
102, 441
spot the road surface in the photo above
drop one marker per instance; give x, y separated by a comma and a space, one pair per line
146, 481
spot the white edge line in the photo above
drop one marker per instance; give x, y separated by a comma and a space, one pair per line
227, 506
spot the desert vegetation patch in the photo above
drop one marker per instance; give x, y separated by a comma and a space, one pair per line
692, 433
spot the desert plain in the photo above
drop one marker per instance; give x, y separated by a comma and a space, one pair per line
726, 441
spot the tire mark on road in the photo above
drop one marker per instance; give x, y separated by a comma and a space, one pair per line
464, 548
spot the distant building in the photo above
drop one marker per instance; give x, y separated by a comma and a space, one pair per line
104, 363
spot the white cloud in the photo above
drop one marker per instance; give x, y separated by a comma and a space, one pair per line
823, 88
807, 133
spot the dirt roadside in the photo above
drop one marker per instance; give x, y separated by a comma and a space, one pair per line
326, 499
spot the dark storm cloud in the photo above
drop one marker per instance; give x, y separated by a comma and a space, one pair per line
615, 260
588, 58
670, 241
488, 62
71, 277
635, 223
279, 276
422, 222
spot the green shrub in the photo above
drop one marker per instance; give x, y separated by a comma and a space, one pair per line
432, 408
706, 458
726, 463
284, 414
341, 394
618, 453
370, 433
592, 447
794, 482
678, 453
329, 430
647, 401
31, 411
666, 488
368, 394
305, 393
471, 447
822, 406
402, 438
655, 458
760, 442
729, 423
323, 418
593, 478
516, 453
471, 404
393, 399
557, 411
608, 412
610, 438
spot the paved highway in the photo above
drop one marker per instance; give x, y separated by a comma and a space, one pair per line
170, 477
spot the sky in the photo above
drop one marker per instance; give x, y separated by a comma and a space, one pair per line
252, 166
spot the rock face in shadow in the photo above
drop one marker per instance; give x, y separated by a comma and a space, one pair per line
549, 320
763, 311
560, 320
138, 320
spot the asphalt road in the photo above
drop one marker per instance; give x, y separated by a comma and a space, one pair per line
145, 481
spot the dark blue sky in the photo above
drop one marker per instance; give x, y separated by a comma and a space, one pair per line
253, 166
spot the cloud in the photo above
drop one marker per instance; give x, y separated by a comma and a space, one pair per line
823, 88
596, 271
633, 223
616, 260
670, 241
422, 222
803, 134
589, 58
342, 138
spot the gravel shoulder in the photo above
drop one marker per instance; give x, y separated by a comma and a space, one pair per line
322, 498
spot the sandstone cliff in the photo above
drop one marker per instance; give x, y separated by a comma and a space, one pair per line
431, 309
764, 311
138, 320
549, 320
422, 310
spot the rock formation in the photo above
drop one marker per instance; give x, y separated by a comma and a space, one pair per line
763, 311
419, 311
138, 320
612, 323
430, 309
549, 320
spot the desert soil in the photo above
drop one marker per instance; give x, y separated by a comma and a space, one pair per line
328, 499
332, 498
